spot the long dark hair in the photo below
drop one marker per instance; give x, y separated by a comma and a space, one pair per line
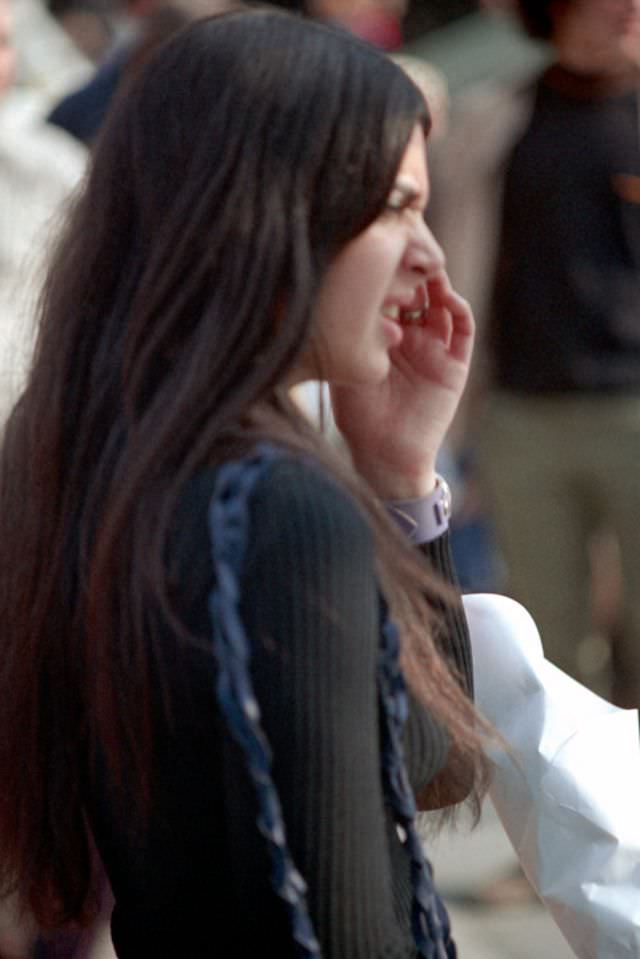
245, 154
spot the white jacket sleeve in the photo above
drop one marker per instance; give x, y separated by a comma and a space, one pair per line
568, 789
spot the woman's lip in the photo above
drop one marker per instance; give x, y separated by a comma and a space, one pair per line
393, 330
399, 305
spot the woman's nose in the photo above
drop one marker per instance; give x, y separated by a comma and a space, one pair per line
424, 254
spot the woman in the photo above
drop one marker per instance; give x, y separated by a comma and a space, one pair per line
202, 603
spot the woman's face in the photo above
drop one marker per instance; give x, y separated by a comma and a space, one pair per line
376, 276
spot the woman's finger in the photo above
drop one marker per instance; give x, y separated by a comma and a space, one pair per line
463, 328
442, 294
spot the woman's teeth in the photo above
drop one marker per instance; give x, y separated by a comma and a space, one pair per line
404, 316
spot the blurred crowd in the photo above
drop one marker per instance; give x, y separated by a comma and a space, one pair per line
545, 455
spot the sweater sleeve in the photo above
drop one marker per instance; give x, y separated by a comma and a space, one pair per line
426, 742
453, 634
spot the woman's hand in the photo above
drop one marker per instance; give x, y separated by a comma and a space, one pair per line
395, 428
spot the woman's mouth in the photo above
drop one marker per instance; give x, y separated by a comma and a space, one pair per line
391, 316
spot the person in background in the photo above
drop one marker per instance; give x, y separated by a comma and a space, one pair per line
550, 291
147, 23
225, 662
560, 447
89, 23
49, 64
81, 112
39, 168
377, 21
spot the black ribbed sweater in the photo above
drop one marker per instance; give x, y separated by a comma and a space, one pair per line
195, 884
